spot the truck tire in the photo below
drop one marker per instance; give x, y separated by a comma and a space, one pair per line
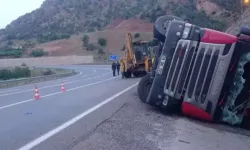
161, 26
139, 73
127, 74
136, 74
144, 87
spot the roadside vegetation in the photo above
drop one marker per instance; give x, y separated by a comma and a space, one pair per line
38, 53
17, 72
99, 49
43, 38
23, 71
11, 52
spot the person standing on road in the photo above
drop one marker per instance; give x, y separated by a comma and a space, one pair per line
118, 67
113, 68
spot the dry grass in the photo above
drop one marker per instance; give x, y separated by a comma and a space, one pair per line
73, 46
114, 33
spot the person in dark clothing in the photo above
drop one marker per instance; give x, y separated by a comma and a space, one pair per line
118, 67
113, 68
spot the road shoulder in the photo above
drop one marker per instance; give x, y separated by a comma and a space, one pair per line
139, 126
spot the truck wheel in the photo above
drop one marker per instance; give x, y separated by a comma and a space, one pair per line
139, 73
161, 26
127, 74
136, 74
144, 87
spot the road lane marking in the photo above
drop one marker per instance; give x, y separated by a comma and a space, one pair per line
7, 106
12, 90
51, 81
44, 87
72, 89
49, 134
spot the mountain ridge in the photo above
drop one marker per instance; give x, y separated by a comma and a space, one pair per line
59, 18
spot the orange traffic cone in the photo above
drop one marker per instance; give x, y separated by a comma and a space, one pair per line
63, 88
37, 96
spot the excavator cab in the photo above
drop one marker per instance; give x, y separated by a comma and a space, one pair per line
141, 51
137, 61
202, 72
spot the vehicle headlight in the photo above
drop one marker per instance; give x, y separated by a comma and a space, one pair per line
186, 30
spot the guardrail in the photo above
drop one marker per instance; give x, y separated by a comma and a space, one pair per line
23, 81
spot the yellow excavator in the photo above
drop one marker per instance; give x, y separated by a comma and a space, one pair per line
137, 57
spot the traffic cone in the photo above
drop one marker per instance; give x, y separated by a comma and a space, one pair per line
63, 88
37, 96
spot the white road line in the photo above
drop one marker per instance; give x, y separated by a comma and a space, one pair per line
44, 87
49, 134
7, 106
72, 89
12, 90
51, 81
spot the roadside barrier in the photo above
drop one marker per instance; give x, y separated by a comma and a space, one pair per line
23, 81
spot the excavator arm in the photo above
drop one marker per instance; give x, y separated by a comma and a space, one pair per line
129, 49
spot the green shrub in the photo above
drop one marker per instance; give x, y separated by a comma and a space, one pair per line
102, 42
101, 51
48, 72
10, 43
29, 44
17, 72
91, 47
5, 74
38, 53
137, 35
52, 37
85, 40
65, 36
24, 65
11, 52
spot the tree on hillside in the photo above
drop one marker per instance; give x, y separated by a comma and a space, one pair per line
10, 43
137, 35
85, 40
101, 51
102, 42
38, 53
91, 47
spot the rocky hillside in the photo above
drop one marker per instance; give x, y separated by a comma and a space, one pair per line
244, 20
58, 19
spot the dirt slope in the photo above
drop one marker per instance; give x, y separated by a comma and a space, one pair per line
114, 33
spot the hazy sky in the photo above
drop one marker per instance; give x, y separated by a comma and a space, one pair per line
12, 9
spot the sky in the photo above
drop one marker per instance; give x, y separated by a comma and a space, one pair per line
12, 9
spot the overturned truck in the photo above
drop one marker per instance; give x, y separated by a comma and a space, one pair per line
202, 72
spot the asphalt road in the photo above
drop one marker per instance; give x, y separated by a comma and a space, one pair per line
99, 111
59, 120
